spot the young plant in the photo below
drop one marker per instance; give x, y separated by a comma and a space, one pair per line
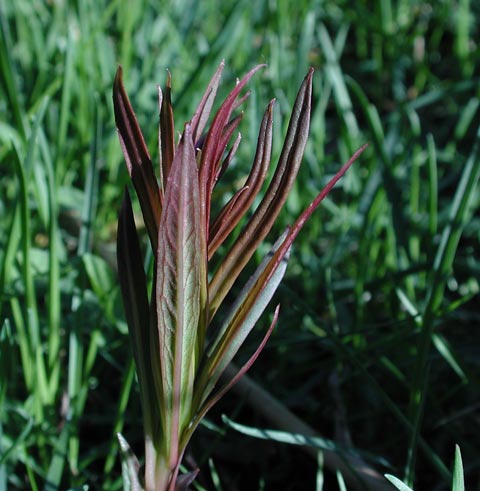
180, 348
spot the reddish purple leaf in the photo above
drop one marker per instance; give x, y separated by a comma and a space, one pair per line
210, 155
266, 213
178, 289
166, 130
204, 109
137, 158
232, 213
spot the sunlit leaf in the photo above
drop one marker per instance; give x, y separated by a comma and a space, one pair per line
178, 288
130, 466
204, 108
298, 439
239, 322
397, 483
458, 482
214, 147
178, 367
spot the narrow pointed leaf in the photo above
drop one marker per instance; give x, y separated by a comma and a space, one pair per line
219, 123
459, 214
458, 483
210, 155
282, 251
223, 224
166, 130
397, 483
229, 217
260, 288
239, 322
242, 99
178, 287
139, 163
204, 109
222, 145
135, 300
213, 399
130, 466
273, 201
307, 213
231, 153
305, 440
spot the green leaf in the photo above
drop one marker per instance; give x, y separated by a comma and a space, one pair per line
458, 484
460, 212
130, 466
302, 440
446, 351
397, 483
59, 459
178, 290
99, 273
341, 481
239, 322
19, 441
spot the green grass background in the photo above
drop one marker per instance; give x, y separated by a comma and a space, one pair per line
380, 309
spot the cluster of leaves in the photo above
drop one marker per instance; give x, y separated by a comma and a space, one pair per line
402, 74
179, 359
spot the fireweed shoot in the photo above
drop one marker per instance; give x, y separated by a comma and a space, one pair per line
180, 347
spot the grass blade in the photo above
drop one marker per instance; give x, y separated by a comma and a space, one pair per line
397, 483
460, 212
458, 483
130, 466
